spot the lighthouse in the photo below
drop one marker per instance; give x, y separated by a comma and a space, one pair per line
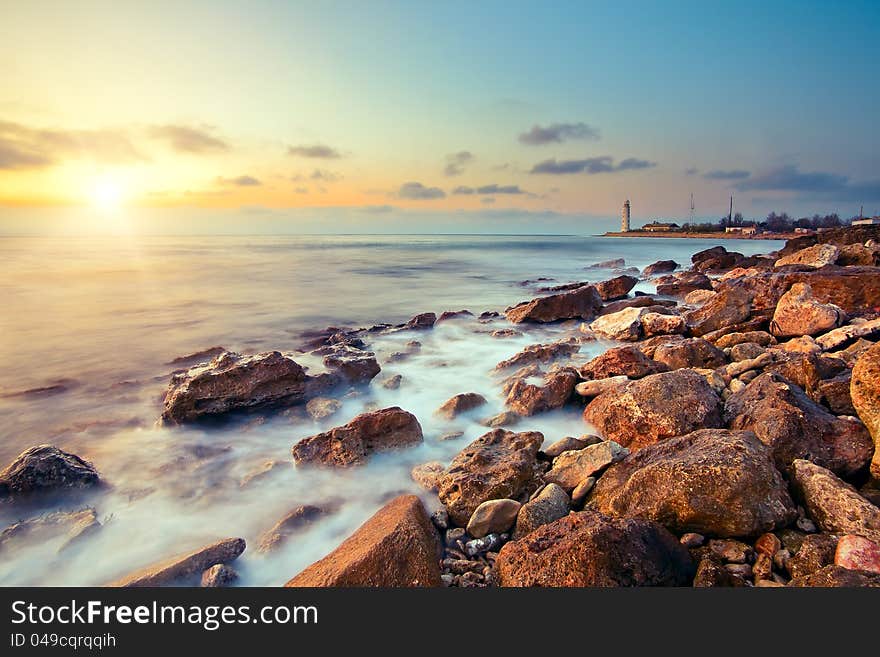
624, 217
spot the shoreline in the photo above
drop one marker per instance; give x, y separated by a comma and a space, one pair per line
721, 236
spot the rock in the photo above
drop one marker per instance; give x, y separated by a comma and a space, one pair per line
768, 544
690, 352
627, 361
659, 324
551, 504
177, 568
682, 283
571, 468
727, 308
597, 387
616, 288
858, 254
353, 365
640, 301
392, 382
803, 344
218, 575
614, 263
589, 549
806, 371
461, 403
798, 313
654, 408
660, 267
487, 543
453, 314
837, 576
711, 573
451, 435
840, 336
396, 547
502, 419
731, 551
493, 517
834, 394
528, 399
865, 393
505, 333
322, 407
833, 504
541, 353
421, 321
795, 427
720, 262
351, 444
427, 475
692, 540
580, 492
623, 325
568, 444
708, 254
74, 526
711, 481
813, 256
858, 553
761, 338
44, 468
814, 552
499, 464
742, 570
698, 297
294, 521
582, 303
763, 569
746, 351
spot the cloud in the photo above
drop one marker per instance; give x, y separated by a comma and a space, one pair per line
326, 176
455, 162
813, 184
591, 165
692, 171
489, 189
186, 139
314, 151
240, 181
732, 174
558, 133
416, 191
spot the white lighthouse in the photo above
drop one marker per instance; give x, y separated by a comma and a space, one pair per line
624, 217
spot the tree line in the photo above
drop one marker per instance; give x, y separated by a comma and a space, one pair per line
774, 223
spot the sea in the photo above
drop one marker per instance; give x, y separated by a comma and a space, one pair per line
89, 328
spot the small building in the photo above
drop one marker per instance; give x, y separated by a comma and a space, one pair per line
742, 230
660, 227
803, 231
867, 221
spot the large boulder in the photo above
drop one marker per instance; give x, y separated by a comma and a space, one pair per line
654, 408
529, 399
798, 313
589, 549
690, 352
627, 361
713, 481
497, 465
397, 547
582, 303
176, 569
45, 468
725, 309
865, 393
795, 427
616, 288
353, 443
812, 256
833, 504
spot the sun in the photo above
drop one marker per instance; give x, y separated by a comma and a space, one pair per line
107, 194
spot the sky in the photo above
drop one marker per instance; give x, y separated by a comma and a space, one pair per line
484, 116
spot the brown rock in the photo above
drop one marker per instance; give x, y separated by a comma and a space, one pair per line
858, 254
628, 361
589, 549
569, 443
294, 521
690, 352
541, 353
654, 408
322, 407
759, 337
582, 303
768, 544
529, 399
551, 504
834, 394
807, 371
499, 464
493, 517
461, 403
353, 365
596, 387
731, 551
837, 576
502, 419
660, 324
712, 481
640, 301
421, 321
727, 308
840, 336
453, 314
814, 553
798, 313
812, 256
392, 382
573, 467
397, 547
218, 575
177, 568
616, 288
660, 267
795, 427
351, 444
427, 475
682, 283
858, 553
865, 392
623, 325
712, 573
45, 468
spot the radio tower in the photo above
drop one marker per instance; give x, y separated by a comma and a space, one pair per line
692, 209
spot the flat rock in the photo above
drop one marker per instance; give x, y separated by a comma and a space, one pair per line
661, 324
178, 568
682, 283
623, 325
761, 338
45, 468
541, 353
320, 408
582, 303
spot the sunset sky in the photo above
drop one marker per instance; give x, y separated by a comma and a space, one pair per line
493, 113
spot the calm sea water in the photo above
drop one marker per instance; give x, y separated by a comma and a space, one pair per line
99, 320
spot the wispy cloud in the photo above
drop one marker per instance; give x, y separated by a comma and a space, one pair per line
556, 133
455, 162
314, 151
488, 189
590, 165
326, 176
731, 174
416, 191
240, 181
187, 139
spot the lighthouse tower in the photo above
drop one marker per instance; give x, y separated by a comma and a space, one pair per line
624, 217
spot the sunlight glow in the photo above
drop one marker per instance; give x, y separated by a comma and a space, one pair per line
107, 194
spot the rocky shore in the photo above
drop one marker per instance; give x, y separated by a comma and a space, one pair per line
730, 436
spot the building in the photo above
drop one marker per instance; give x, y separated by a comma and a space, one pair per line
742, 230
866, 221
660, 227
624, 217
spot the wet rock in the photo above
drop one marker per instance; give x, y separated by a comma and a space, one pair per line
451, 435
484, 544
795, 427
503, 419
840, 336
198, 357
568, 444
614, 263
711, 481
761, 338
453, 314
708, 254
865, 393
529, 399
573, 467
499, 464
178, 568
351, 444
551, 504
73, 526
654, 408
461, 403
834, 505
427, 475
322, 407
616, 288
690, 352
294, 521
628, 361
493, 517
45, 468
727, 308
421, 321
858, 553
813, 256
582, 303
440, 518
505, 333
660, 324
660, 267
798, 313
541, 353
837, 576
682, 283
762, 569
353, 365
392, 382
589, 549
218, 575
396, 547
